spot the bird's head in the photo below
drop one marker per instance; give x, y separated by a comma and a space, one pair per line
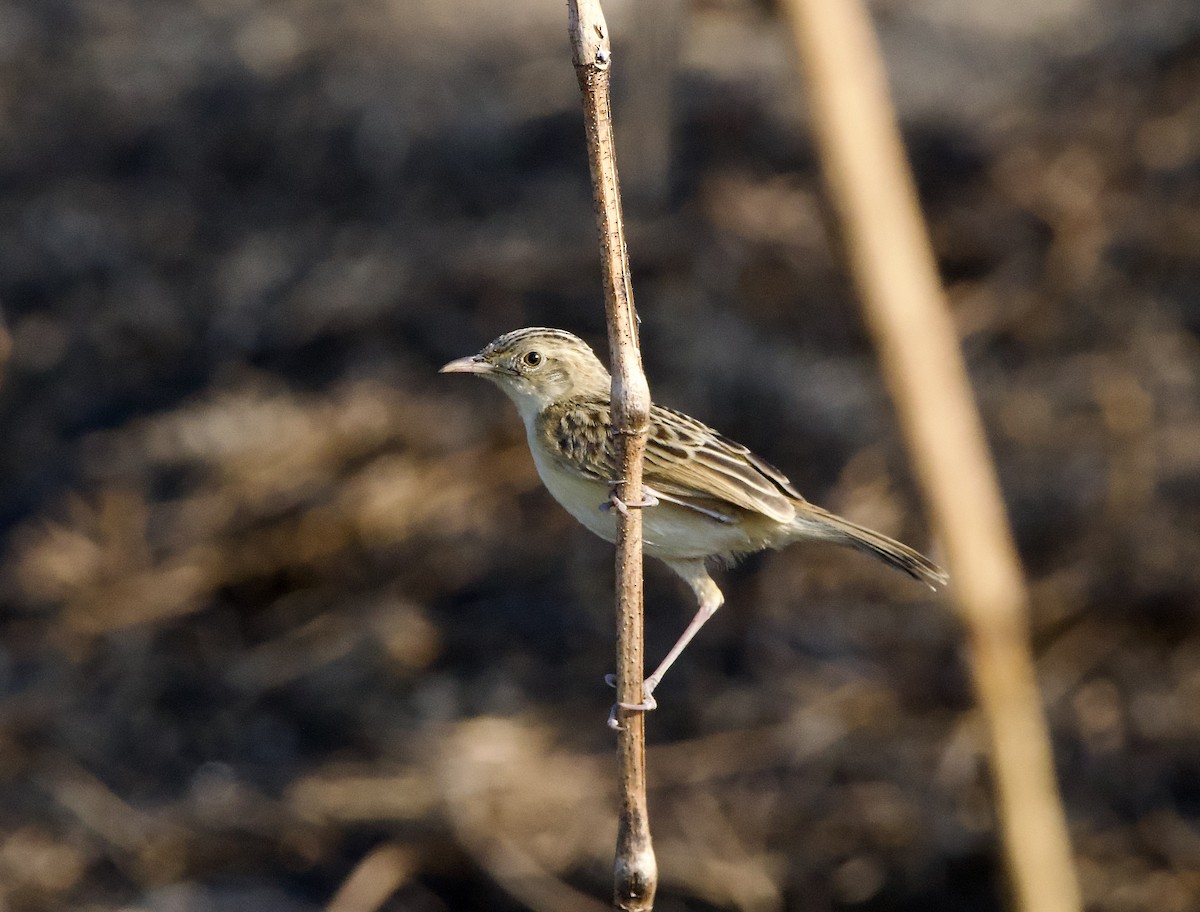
537, 367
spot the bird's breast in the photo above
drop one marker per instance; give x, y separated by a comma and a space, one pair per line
579, 495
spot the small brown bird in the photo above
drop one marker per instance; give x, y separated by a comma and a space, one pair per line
706, 496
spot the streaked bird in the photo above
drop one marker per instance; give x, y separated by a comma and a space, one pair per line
706, 498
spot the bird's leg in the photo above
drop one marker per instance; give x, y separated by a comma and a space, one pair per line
615, 503
710, 598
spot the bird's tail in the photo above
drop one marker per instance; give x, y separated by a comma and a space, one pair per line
813, 522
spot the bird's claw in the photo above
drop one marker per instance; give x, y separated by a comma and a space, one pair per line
613, 722
615, 503
648, 703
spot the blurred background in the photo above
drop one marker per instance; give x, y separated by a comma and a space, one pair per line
288, 622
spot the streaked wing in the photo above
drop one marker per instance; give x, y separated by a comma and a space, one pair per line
687, 462
686, 458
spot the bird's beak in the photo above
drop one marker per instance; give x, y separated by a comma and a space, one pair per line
472, 365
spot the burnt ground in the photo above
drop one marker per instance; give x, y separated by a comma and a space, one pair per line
279, 605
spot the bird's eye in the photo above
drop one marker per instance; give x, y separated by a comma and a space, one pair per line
533, 359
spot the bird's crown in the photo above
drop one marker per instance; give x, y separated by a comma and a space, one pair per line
540, 335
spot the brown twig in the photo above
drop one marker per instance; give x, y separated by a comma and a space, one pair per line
895, 270
635, 869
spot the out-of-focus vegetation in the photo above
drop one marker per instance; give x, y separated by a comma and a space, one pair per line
285, 615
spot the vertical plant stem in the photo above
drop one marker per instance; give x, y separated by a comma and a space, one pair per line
895, 270
635, 870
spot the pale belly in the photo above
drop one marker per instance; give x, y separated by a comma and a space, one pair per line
669, 531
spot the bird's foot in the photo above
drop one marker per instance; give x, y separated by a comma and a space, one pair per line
648, 702
615, 503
